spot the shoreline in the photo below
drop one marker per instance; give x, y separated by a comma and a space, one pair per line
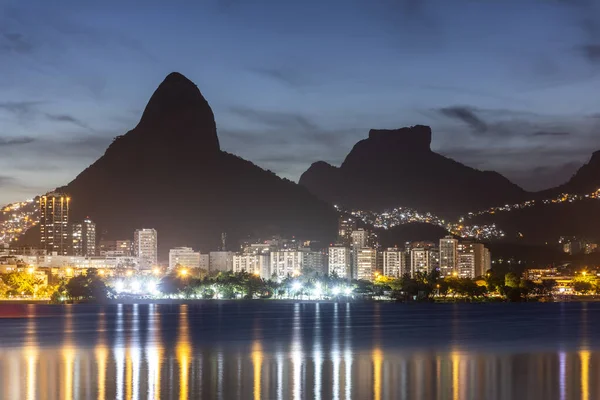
578, 299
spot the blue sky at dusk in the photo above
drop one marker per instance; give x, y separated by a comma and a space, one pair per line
508, 85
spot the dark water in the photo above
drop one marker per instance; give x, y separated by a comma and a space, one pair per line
276, 350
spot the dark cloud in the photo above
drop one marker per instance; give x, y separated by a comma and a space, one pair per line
13, 42
15, 141
19, 107
276, 119
591, 52
466, 115
68, 119
550, 133
6, 181
284, 75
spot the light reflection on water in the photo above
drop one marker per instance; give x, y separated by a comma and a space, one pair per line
299, 351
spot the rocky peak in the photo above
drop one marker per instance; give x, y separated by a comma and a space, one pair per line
413, 138
178, 111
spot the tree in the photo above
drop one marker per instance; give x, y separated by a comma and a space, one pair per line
582, 286
23, 283
548, 286
87, 287
511, 280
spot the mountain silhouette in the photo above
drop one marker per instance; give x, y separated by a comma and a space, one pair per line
584, 181
397, 168
170, 174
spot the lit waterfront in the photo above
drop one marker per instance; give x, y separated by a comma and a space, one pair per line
299, 350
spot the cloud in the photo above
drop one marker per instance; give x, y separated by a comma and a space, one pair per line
19, 107
287, 76
466, 115
591, 52
15, 141
68, 119
550, 133
6, 181
276, 119
12, 42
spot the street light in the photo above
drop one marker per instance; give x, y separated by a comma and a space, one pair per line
183, 272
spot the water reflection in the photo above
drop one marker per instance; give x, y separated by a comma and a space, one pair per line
295, 351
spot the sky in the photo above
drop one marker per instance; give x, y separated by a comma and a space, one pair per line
506, 85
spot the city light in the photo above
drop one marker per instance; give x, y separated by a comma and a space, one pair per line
151, 287
135, 286
156, 271
336, 291
296, 286
348, 291
119, 286
183, 272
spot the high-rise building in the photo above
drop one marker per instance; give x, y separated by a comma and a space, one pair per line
115, 248
84, 238
257, 264
221, 261
394, 263
448, 256
422, 260
474, 259
54, 223
360, 240
366, 263
346, 225
339, 261
487, 260
145, 246
286, 262
313, 261
184, 257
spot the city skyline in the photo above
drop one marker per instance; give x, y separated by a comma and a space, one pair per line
523, 99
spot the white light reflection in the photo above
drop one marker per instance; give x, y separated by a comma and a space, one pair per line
348, 353
153, 352
297, 353
119, 354
562, 378
335, 354
318, 354
135, 352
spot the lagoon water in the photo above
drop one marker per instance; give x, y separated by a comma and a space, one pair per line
275, 350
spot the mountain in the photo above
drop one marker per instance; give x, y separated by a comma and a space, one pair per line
398, 168
170, 174
585, 180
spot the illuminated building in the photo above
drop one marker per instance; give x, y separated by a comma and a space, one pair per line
183, 257
145, 246
115, 248
366, 263
84, 238
474, 260
286, 262
54, 223
258, 264
346, 226
448, 256
360, 239
394, 263
339, 261
423, 259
